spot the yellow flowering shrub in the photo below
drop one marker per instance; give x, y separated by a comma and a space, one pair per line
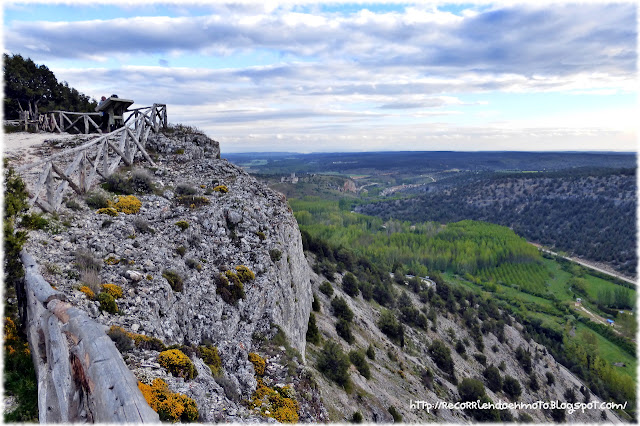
258, 362
177, 363
169, 405
111, 260
113, 289
277, 403
87, 291
13, 344
108, 211
221, 188
128, 204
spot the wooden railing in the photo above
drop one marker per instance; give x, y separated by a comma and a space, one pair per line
95, 159
61, 121
82, 377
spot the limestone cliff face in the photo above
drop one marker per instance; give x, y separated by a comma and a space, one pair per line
249, 225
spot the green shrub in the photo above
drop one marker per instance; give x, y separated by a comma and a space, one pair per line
181, 250
118, 184
313, 334
315, 305
73, 205
493, 378
211, 357
341, 309
511, 387
19, 373
148, 343
389, 325
230, 292
334, 364
275, 255
143, 226
182, 224
481, 358
371, 354
473, 390
441, 355
357, 417
142, 182
524, 358
262, 237
107, 303
397, 417
350, 284
177, 363
550, 378
34, 221
184, 189
97, 200
326, 288
357, 358
193, 264
174, 279
121, 339
344, 331
533, 382
20, 379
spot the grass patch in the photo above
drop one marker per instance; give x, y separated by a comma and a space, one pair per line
612, 353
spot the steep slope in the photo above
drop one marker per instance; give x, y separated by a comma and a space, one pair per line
410, 371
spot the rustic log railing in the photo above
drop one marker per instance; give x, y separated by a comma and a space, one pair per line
95, 159
61, 121
81, 375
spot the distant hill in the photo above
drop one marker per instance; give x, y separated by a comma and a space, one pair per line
429, 161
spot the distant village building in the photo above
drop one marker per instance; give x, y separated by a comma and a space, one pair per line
610, 322
289, 179
578, 301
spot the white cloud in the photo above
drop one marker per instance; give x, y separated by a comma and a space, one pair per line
399, 77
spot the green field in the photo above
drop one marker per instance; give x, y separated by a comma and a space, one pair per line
612, 353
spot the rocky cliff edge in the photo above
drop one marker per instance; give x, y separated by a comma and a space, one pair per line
205, 217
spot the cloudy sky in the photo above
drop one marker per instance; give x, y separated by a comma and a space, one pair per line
310, 77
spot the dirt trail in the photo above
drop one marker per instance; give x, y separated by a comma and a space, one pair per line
23, 147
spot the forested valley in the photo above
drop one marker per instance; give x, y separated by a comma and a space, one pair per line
590, 213
493, 266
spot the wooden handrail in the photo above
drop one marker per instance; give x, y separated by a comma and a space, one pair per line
101, 149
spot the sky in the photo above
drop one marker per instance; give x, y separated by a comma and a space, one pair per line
303, 76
